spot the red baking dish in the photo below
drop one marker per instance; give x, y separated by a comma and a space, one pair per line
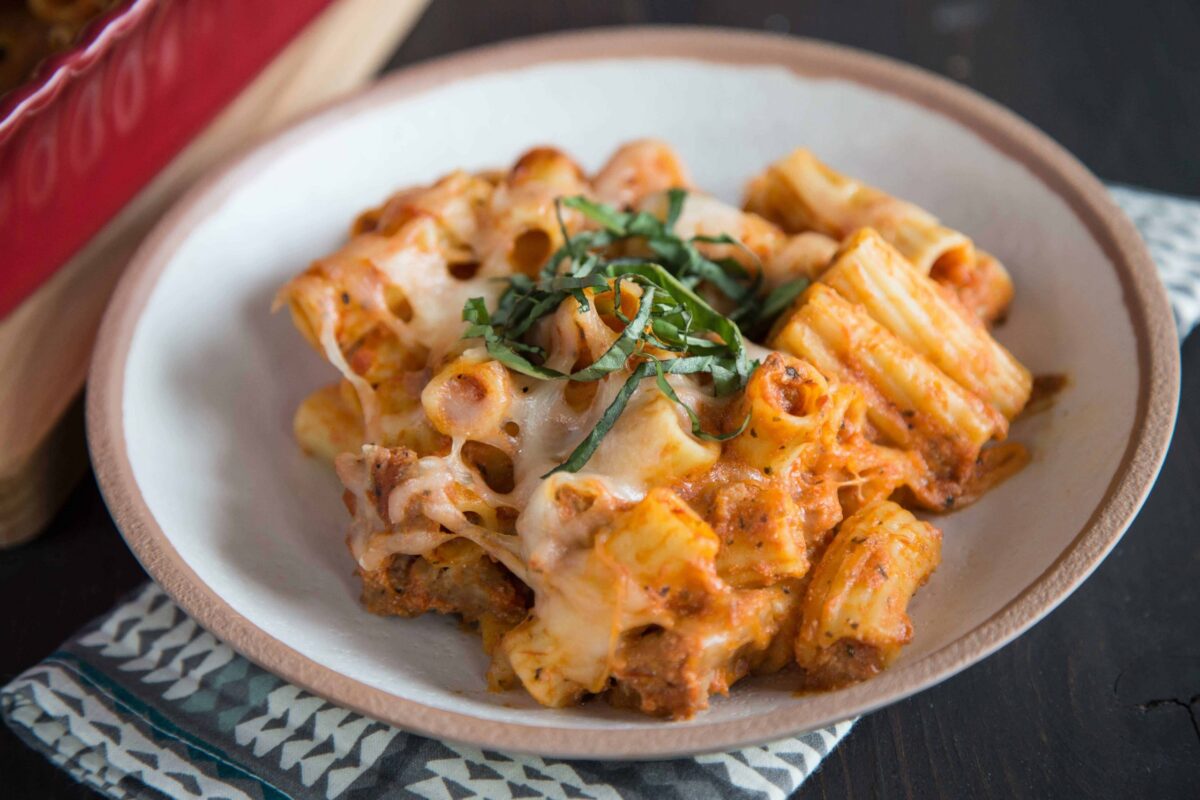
100, 120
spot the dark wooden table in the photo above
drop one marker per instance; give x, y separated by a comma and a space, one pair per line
1101, 699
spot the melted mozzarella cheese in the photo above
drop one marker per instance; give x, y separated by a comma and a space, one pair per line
554, 550
421, 270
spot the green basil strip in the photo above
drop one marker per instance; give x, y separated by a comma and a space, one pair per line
618, 352
584, 451
704, 314
574, 246
665, 331
475, 311
570, 247
725, 238
644, 224
568, 282
665, 280
670, 314
539, 309
733, 267
672, 251
617, 312
521, 347
609, 217
675, 199
710, 271
581, 298
780, 298
698, 431
506, 355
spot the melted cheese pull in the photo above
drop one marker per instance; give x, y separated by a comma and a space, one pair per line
676, 561
606, 590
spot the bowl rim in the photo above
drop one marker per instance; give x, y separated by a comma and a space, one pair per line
1142, 292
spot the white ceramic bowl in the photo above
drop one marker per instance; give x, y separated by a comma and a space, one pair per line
194, 382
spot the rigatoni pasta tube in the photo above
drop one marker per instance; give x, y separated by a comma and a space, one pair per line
469, 398
909, 400
855, 617
790, 408
802, 194
522, 229
653, 443
761, 530
987, 291
805, 255
328, 422
657, 548
639, 168
870, 272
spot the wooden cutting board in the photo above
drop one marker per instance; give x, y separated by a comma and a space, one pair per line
46, 343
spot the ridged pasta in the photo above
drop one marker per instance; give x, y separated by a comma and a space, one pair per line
913, 404
761, 530
656, 549
638, 169
805, 255
802, 194
520, 229
854, 613
720, 527
654, 428
802, 427
873, 274
469, 397
328, 422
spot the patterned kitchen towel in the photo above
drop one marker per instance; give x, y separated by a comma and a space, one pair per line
144, 703
1171, 227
